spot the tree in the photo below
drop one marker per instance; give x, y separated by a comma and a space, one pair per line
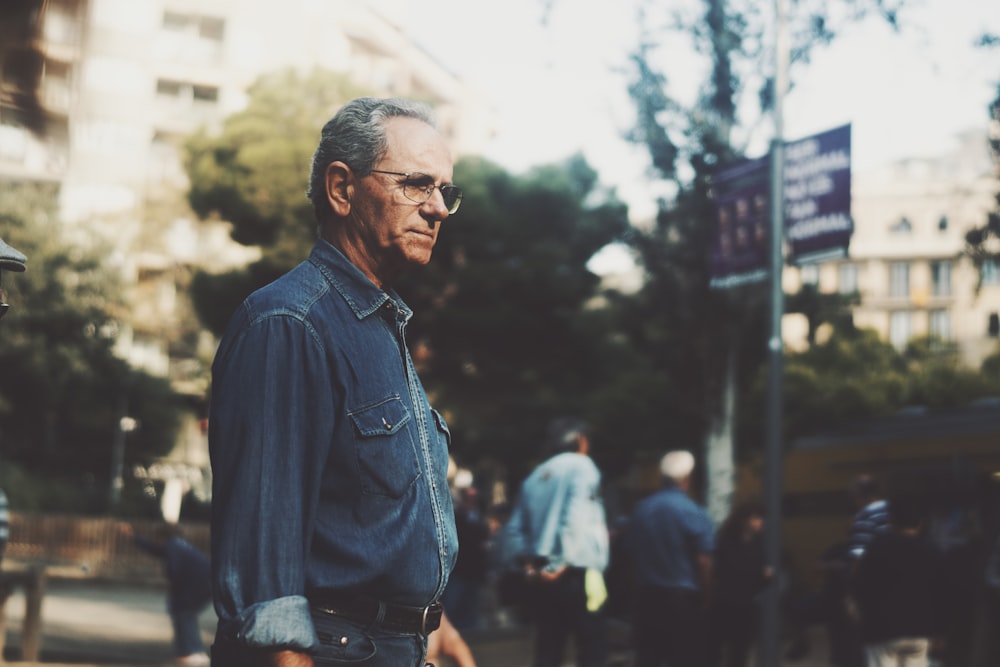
854, 375
503, 331
982, 244
254, 175
61, 382
722, 341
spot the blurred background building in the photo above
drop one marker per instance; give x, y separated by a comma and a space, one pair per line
124, 82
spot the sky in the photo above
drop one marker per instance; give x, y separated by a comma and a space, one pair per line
559, 89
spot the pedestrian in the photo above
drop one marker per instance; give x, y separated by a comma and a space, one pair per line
870, 519
559, 535
871, 516
333, 531
670, 542
896, 586
189, 587
461, 597
11, 259
740, 574
4, 523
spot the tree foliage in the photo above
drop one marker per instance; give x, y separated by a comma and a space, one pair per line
982, 243
61, 381
854, 375
503, 327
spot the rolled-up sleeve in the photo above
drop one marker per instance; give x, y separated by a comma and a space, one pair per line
269, 429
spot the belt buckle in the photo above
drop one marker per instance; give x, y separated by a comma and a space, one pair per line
435, 607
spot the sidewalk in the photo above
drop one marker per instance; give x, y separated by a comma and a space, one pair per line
93, 624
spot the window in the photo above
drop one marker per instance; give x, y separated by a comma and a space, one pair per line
943, 224
13, 142
899, 280
904, 226
810, 274
991, 272
900, 329
183, 92
192, 38
993, 327
941, 278
940, 324
848, 278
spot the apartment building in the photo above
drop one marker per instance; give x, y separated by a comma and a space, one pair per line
125, 81
906, 258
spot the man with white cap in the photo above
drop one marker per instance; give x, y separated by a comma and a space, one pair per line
670, 540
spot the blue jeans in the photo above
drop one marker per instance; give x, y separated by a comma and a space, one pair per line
187, 633
342, 642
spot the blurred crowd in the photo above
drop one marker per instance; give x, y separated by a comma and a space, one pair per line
910, 582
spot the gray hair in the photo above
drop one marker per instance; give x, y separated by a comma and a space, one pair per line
563, 435
356, 136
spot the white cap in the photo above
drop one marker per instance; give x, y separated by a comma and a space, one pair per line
677, 465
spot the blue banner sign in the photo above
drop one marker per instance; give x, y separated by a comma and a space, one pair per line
818, 223
740, 245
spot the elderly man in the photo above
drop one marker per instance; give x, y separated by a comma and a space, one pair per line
332, 524
559, 533
670, 540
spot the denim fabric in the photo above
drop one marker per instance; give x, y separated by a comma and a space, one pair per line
560, 514
667, 530
189, 584
187, 633
341, 642
329, 465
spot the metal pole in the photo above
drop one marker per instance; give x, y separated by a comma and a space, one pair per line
771, 621
118, 454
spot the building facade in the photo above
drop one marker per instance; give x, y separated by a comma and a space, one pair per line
907, 258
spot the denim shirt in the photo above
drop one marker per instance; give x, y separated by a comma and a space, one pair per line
329, 465
667, 531
560, 515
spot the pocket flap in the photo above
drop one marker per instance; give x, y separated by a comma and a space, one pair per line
386, 417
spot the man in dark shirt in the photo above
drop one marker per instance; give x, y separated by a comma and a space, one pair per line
671, 540
895, 588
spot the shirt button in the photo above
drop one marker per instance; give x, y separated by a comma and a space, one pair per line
343, 641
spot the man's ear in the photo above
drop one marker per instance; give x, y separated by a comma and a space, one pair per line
339, 187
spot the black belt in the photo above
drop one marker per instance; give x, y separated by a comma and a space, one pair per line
369, 611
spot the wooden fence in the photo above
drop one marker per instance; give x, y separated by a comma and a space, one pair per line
86, 547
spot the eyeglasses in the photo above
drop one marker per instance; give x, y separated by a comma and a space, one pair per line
418, 188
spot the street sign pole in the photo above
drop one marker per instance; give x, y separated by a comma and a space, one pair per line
770, 627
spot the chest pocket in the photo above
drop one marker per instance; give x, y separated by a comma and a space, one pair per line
386, 453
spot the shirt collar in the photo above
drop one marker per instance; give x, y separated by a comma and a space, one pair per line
362, 295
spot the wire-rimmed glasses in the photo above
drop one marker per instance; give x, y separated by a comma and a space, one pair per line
418, 188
